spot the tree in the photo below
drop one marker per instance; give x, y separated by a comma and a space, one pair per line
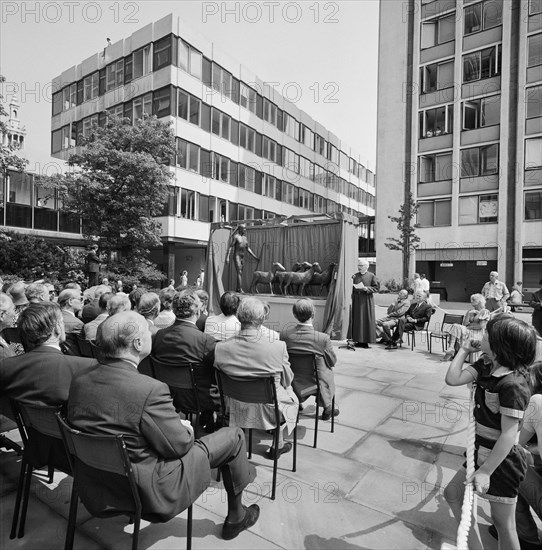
119, 183
408, 241
8, 158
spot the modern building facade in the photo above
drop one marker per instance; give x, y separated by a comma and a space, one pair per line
243, 150
460, 96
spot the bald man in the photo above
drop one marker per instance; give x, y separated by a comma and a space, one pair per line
171, 468
495, 292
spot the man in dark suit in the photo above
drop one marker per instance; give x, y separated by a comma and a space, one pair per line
93, 265
303, 338
92, 309
43, 374
184, 343
70, 302
415, 318
171, 468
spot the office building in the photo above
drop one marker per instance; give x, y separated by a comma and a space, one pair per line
243, 150
460, 96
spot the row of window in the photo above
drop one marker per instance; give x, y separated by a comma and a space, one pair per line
173, 50
476, 18
475, 162
209, 164
162, 103
474, 209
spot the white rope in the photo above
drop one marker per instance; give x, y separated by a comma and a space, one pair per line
469, 500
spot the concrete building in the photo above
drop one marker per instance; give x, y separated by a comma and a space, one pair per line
243, 150
460, 95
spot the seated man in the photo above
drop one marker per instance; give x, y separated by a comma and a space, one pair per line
171, 468
303, 338
43, 374
224, 326
70, 302
396, 310
417, 315
92, 309
184, 343
90, 329
252, 355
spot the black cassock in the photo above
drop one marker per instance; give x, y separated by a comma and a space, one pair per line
362, 320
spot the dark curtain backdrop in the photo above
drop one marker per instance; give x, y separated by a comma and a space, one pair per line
330, 241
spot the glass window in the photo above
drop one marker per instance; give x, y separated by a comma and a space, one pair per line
488, 209
533, 153
534, 101
468, 210
182, 104
188, 204
20, 188
215, 123
534, 50
225, 131
193, 160
162, 102
184, 55
194, 110
481, 112
435, 168
535, 6
482, 64
483, 16
480, 161
478, 209
56, 141
434, 122
438, 31
162, 53
141, 62
195, 63
533, 205
182, 153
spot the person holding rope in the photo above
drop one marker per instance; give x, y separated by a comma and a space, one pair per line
501, 398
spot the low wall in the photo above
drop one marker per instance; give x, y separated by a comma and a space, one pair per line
281, 316
387, 299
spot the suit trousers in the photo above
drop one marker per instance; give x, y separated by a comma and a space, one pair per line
402, 325
227, 451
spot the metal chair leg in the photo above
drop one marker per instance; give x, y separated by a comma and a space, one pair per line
275, 461
26, 496
294, 467
333, 415
135, 536
20, 489
72, 517
316, 423
250, 443
189, 529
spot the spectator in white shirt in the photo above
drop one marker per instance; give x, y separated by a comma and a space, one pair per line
224, 326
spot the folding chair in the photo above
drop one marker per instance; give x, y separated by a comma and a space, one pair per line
104, 455
11, 335
412, 332
7, 425
84, 346
258, 391
306, 384
442, 334
181, 381
38, 426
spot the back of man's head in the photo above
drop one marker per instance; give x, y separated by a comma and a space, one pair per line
66, 295
17, 292
229, 302
186, 304
38, 322
118, 333
303, 310
101, 289
104, 300
36, 292
118, 303
251, 312
166, 298
71, 285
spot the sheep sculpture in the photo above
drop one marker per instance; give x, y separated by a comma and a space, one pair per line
281, 276
265, 277
301, 279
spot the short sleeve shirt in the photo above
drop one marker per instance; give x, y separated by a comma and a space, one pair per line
506, 393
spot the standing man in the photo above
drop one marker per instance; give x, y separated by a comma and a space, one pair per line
362, 323
424, 284
93, 266
495, 292
303, 338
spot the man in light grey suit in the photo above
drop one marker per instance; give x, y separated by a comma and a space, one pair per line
303, 338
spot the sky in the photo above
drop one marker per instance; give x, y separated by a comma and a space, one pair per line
323, 55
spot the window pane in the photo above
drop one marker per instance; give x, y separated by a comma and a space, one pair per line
182, 156
533, 205
183, 55
226, 127
446, 29
471, 67
425, 214
445, 75
488, 209
468, 210
194, 110
533, 153
20, 188
469, 162
535, 6
137, 64
489, 160
534, 101
443, 213
443, 167
492, 13
535, 50
491, 111
215, 125
195, 63
193, 158
489, 63
473, 18
429, 34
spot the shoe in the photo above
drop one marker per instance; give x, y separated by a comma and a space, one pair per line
447, 357
326, 415
365, 346
231, 530
392, 345
270, 453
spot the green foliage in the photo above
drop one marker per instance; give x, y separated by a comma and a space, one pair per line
140, 272
408, 241
30, 258
393, 285
119, 184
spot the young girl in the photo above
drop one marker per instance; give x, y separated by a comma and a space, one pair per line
501, 397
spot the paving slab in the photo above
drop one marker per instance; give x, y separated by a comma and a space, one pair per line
365, 410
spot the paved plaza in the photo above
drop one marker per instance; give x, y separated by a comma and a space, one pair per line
376, 483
